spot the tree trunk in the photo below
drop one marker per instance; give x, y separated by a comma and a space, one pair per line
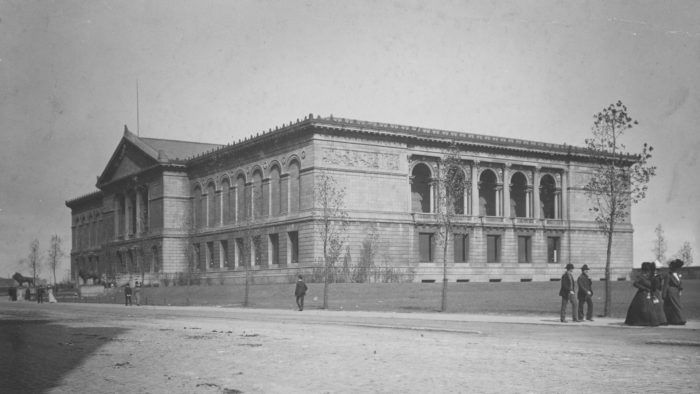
606, 310
443, 305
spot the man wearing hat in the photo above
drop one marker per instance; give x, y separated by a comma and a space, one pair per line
568, 294
585, 294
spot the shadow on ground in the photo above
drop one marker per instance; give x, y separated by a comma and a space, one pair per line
36, 354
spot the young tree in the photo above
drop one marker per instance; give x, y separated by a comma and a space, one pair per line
686, 253
34, 259
659, 244
332, 224
451, 185
55, 253
619, 179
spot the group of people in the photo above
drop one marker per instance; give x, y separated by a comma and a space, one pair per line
42, 294
658, 298
136, 292
657, 301
578, 293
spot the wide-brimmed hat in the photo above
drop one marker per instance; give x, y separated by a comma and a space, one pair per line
675, 264
585, 267
569, 266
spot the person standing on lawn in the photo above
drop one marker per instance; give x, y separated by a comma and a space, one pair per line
585, 294
300, 292
567, 292
127, 295
137, 293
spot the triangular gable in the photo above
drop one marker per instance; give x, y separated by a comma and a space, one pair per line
131, 157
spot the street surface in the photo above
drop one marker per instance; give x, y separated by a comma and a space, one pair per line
105, 348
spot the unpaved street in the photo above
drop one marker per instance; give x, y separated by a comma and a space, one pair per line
81, 348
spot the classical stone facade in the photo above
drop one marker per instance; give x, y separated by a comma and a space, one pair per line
164, 207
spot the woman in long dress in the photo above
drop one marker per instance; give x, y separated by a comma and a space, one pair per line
657, 282
52, 299
641, 310
672, 294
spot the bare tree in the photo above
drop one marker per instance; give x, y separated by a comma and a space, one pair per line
686, 253
55, 253
451, 185
619, 179
34, 259
659, 248
332, 225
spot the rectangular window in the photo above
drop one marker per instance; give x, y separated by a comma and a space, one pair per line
211, 261
240, 253
524, 249
223, 254
425, 243
273, 249
256, 248
292, 247
493, 248
461, 246
553, 249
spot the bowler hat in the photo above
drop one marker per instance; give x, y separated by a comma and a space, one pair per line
569, 266
676, 264
584, 267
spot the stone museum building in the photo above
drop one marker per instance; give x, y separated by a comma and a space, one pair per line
164, 207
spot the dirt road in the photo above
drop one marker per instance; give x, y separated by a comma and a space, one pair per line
91, 348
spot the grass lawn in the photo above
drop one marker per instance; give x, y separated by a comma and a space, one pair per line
498, 298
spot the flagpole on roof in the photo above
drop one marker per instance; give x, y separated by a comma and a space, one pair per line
138, 129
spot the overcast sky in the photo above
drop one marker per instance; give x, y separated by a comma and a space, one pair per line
219, 71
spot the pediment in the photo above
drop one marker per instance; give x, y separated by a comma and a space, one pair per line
128, 159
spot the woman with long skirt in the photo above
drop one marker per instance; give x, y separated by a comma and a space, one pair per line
657, 282
672, 294
641, 311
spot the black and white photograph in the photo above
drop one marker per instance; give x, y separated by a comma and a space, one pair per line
311, 196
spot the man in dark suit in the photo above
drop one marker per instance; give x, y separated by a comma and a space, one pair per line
585, 294
568, 294
300, 292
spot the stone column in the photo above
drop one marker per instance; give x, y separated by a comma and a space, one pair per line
506, 191
528, 201
139, 223
564, 195
536, 190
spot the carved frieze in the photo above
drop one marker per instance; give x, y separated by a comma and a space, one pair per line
360, 159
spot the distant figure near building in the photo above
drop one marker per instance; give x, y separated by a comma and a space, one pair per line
672, 294
40, 294
127, 295
568, 294
585, 294
300, 292
137, 293
52, 299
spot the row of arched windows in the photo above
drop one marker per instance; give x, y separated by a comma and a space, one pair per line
135, 261
490, 194
247, 198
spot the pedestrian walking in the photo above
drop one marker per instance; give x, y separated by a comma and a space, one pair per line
300, 292
641, 309
672, 294
137, 293
127, 295
567, 292
585, 294
40, 294
657, 306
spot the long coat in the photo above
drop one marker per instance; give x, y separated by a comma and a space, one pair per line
567, 284
300, 290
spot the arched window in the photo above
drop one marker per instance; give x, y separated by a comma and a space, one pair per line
294, 186
196, 204
212, 206
548, 197
420, 188
226, 198
275, 191
257, 196
518, 195
155, 259
240, 198
487, 193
